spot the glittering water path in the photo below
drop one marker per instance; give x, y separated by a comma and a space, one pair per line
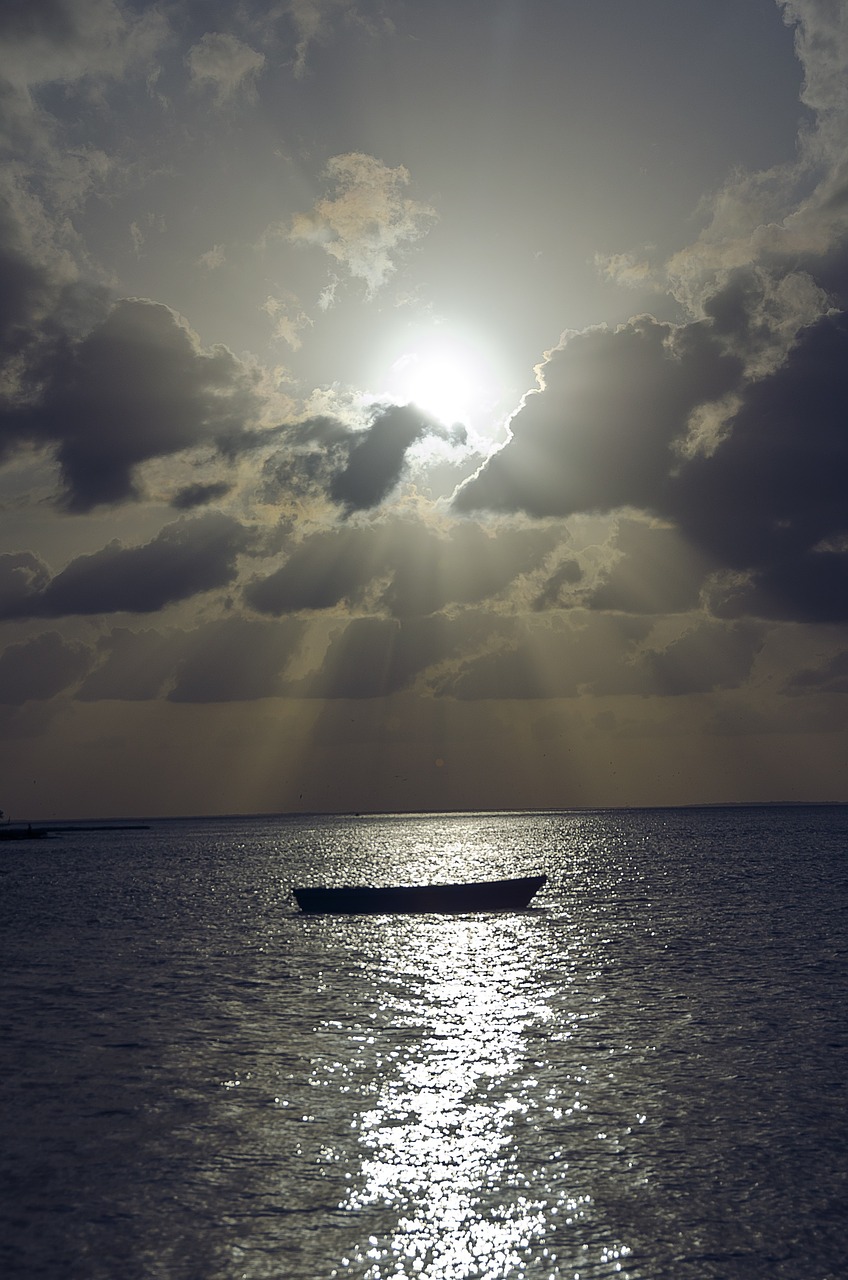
641, 1075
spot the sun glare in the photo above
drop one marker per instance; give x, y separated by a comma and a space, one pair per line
438, 382
448, 376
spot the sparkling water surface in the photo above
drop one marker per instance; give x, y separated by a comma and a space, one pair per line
641, 1075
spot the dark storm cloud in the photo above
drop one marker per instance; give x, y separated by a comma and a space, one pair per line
831, 677
378, 657
375, 657
777, 484
236, 660
132, 666
375, 460
314, 452
601, 655
771, 502
40, 668
42, 308
137, 386
708, 657
404, 567
106, 385
324, 570
232, 659
197, 495
23, 580
807, 588
523, 658
599, 435
356, 469
184, 559
466, 566
769, 496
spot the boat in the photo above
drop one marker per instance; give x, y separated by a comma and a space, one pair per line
476, 895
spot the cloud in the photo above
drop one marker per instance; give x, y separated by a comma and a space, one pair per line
236, 660
40, 299
713, 447
602, 655
311, 18
213, 258
777, 483
80, 45
355, 468
401, 567
23, 579
600, 432
139, 233
707, 657
132, 666
729, 425
784, 217
807, 588
70, 40
40, 668
772, 499
27, 290
136, 386
323, 571
226, 66
831, 677
313, 21
314, 452
655, 571
376, 456
765, 496
786, 227
376, 657
58, 61
367, 221
183, 560
559, 656
557, 584
227, 660
197, 495
288, 318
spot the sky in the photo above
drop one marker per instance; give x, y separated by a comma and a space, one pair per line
422, 405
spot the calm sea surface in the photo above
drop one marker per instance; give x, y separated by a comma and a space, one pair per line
642, 1075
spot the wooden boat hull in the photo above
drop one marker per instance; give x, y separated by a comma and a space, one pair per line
480, 895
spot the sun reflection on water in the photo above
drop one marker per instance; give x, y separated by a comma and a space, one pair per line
447, 1133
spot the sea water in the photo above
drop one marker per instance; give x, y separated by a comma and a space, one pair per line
642, 1075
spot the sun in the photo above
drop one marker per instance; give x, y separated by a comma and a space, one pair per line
438, 382
448, 375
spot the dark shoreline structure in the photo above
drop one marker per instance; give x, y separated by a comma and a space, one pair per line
41, 833
479, 895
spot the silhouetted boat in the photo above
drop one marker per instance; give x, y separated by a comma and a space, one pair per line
478, 895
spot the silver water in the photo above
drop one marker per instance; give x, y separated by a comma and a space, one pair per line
643, 1075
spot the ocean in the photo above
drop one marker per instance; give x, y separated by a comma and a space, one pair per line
641, 1075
